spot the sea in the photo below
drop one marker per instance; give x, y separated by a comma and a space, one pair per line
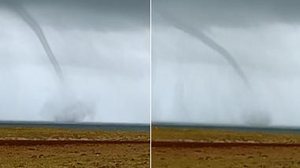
79, 125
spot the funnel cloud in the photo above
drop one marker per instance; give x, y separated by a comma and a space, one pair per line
209, 42
22, 13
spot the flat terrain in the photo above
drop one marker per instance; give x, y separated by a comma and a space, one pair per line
58, 147
197, 147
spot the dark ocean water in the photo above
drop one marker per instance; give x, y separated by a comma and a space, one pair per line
271, 129
145, 127
85, 125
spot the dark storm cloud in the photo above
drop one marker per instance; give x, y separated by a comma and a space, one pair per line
105, 15
230, 13
205, 15
102, 16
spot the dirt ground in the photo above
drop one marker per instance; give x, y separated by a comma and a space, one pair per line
19, 147
224, 149
228, 157
83, 155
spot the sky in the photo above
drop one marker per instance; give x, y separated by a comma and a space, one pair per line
213, 61
226, 62
102, 48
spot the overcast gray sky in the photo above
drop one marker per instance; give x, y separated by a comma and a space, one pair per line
202, 51
194, 82
102, 47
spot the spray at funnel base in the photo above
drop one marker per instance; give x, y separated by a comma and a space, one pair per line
64, 107
257, 119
